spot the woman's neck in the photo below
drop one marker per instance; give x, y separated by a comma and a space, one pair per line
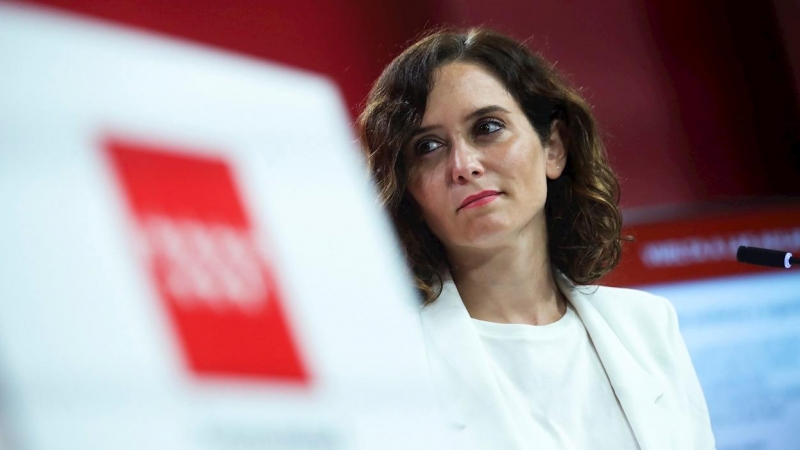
512, 284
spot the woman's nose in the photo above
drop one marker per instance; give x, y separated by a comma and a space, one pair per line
465, 162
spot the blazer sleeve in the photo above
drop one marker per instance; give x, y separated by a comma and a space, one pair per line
694, 398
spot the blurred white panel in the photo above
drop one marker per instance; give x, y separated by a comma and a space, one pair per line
90, 356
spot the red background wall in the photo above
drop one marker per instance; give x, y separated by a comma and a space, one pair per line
698, 99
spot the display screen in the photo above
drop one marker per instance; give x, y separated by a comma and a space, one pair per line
741, 322
743, 333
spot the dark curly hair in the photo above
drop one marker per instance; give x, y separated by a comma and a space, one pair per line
583, 220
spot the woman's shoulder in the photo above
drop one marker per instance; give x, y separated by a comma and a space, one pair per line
609, 296
626, 309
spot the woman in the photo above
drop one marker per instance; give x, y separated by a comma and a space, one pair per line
498, 185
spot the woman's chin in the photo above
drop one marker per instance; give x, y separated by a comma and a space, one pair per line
498, 232
487, 235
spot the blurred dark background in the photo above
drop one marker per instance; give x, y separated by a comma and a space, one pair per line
698, 99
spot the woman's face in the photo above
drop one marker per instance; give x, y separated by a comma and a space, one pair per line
477, 168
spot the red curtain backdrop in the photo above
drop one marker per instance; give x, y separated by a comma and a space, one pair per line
698, 100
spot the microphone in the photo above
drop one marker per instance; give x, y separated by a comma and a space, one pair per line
765, 257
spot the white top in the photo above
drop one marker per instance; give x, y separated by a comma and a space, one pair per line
553, 372
635, 334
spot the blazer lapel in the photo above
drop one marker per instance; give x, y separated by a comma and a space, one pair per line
454, 351
636, 389
462, 374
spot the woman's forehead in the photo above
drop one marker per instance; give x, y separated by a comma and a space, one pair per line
460, 88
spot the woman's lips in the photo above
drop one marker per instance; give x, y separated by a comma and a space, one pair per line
479, 199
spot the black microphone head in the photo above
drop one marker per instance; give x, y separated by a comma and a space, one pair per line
761, 257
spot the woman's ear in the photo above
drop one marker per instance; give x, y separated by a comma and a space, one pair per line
556, 150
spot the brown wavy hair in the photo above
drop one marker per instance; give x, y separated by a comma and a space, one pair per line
583, 220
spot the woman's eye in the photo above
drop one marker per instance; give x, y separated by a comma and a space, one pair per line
426, 146
487, 127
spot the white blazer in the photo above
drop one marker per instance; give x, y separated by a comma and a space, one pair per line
640, 346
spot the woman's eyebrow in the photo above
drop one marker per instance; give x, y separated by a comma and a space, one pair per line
477, 113
421, 130
485, 110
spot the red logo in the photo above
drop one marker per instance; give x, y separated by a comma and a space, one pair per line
219, 291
